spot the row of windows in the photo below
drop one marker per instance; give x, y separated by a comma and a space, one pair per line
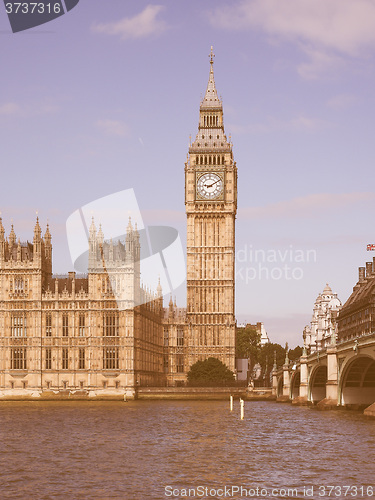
110, 285
110, 358
209, 160
18, 358
356, 317
18, 325
211, 121
65, 384
180, 337
110, 325
214, 338
179, 364
19, 285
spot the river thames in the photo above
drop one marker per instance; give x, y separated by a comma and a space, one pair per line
158, 450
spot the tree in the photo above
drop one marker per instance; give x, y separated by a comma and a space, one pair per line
295, 354
267, 355
248, 344
209, 372
266, 359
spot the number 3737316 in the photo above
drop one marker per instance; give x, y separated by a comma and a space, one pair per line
32, 8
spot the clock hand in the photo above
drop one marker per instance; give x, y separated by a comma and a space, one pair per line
210, 185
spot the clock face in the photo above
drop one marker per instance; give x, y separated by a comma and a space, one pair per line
210, 186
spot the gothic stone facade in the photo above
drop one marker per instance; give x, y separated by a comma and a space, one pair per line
211, 205
318, 334
77, 334
103, 334
207, 326
357, 317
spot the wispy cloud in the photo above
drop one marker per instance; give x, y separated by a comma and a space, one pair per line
271, 124
319, 62
313, 205
142, 25
30, 109
113, 127
342, 101
10, 108
326, 30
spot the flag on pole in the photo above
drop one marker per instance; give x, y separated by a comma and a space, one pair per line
371, 246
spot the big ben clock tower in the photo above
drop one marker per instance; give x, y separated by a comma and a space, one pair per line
211, 205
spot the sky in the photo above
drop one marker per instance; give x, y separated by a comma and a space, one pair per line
105, 99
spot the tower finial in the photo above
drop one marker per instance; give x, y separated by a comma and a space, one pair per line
211, 99
212, 55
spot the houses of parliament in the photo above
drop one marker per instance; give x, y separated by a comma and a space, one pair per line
74, 335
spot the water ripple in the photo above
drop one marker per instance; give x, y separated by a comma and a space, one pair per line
126, 451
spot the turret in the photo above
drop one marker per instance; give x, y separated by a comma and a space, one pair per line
211, 108
110, 256
2, 240
47, 259
100, 237
48, 243
211, 137
171, 308
12, 238
137, 245
37, 242
159, 290
129, 241
19, 251
137, 263
92, 245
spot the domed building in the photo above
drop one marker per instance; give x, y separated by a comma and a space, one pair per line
318, 334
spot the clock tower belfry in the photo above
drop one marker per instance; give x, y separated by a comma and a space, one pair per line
211, 205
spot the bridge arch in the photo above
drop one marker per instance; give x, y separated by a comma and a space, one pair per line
357, 381
317, 384
295, 382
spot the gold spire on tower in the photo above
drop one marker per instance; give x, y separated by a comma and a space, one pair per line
212, 55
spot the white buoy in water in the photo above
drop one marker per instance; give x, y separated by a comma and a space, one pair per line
231, 402
242, 403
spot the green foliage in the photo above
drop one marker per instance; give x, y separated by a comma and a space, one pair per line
247, 343
248, 346
266, 359
295, 354
209, 372
267, 355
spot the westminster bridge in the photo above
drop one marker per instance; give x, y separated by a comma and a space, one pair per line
341, 374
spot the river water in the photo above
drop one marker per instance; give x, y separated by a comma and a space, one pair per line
159, 450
